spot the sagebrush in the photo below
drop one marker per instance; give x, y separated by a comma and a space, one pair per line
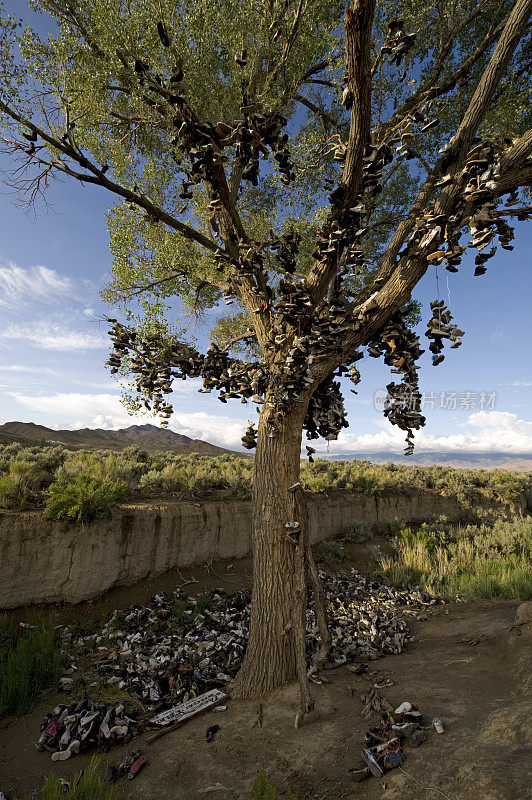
79, 485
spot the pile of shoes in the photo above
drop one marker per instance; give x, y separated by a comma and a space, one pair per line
249, 439
384, 743
326, 413
367, 619
72, 729
440, 328
169, 652
397, 43
440, 235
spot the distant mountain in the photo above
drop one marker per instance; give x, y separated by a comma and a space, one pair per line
516, 462
149, 437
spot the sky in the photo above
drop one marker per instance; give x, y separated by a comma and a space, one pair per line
53, 342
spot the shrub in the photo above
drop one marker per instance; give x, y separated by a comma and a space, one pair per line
331, 548
20, 484
264, 789
86, 785
31, 662
83, 498
26, 471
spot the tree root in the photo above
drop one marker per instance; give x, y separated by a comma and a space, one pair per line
299, 613
320, 603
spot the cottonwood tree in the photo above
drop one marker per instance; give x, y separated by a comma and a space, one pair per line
308, 161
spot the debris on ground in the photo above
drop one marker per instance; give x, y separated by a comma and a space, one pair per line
438, 725
70, 729
190, 708
384, 743
179, 648
211, 732
130, 766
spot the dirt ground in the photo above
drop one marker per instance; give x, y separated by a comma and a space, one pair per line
466, 667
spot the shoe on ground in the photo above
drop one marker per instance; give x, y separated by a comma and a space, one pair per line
405, 706
438, 725
372, 763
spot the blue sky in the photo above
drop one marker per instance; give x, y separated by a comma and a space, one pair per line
53, 345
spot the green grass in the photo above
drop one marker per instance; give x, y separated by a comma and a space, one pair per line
265, 789
31, 661
87, 785
482, 562
28, 476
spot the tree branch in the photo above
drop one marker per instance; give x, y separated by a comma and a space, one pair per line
359, 23
513, 30
249, 334
328, 121
301, 8
97, 177
400, 278
427, 91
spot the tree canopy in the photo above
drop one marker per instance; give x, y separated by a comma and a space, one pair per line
307, 161
114, 100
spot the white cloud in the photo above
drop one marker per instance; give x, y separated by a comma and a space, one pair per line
50, 336
19, 286
485, 431
70, 404
517, 383
29, 370
106, 411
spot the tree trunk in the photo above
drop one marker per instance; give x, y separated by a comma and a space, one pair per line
278, 566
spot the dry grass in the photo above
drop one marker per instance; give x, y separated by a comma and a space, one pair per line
472, 562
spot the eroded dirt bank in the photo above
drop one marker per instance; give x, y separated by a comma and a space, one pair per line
43, 563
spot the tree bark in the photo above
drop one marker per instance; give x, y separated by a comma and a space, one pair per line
279, 586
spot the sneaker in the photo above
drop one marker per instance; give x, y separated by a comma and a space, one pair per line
384, 682
405, 706
373, 765
111, 774
211, 732
438, 725
136, 766
62, 755
393, 758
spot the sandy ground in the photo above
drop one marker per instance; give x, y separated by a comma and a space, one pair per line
466, 666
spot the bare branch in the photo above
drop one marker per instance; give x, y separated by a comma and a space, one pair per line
301, 8
328, 121
97, 176
249, 334
522, 211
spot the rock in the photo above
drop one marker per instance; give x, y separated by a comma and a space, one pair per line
523, 615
